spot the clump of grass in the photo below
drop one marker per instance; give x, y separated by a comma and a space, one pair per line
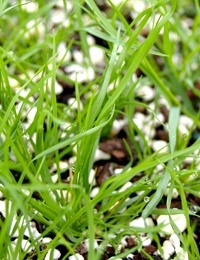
36, 131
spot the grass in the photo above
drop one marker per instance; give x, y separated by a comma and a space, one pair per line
37, 131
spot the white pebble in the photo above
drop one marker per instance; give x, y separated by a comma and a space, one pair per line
181, 254
29, 7
34, 28
72, 160
26, 246
76, 257
186, 121
90, 39
159, 168
129, 256
57, 87
160, 146
139, 6
78, 56
183, 130
159, 119
73, 103
80, 74
60, 4
175, 241
123, 241
168, 247
62, 166
115, 2
94, 192
92, 177
117, 171
100, 155
139, 119
56, 254
46, 240
1, 193
54, 178
63, 53
166, 256
146, 93
177, 58
97, 55
14, 83
141, 223
58, 16
117, 126
5, 207
146, 240
87, 244
125, 186
149, 131
188, 160
31, 115
178, 219
175, 193
162, 102
34, 232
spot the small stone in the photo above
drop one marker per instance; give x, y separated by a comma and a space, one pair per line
63, 53
139, 119
146, 93
53, 252
78, 56
61, 4
175, 241
160, 146
100, 155
117, 126
92, 177
86, 244
175, 193
149, 131
26, 246
1, 193
73, 103
181, 254
35, 28
90, 39
3, 207
186, 121
94, 192
178, 219
14, 83
183, 130
139, 6
124, 241
126, 186
58, 89
168, 247
130, 257
141, 223
54, 178
29, 7
79, 73
46, 240
118, 171
31, 115
146, 240
58, 16
159, 168
76, 257
97, 55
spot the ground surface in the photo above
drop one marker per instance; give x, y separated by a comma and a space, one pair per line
107, 194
